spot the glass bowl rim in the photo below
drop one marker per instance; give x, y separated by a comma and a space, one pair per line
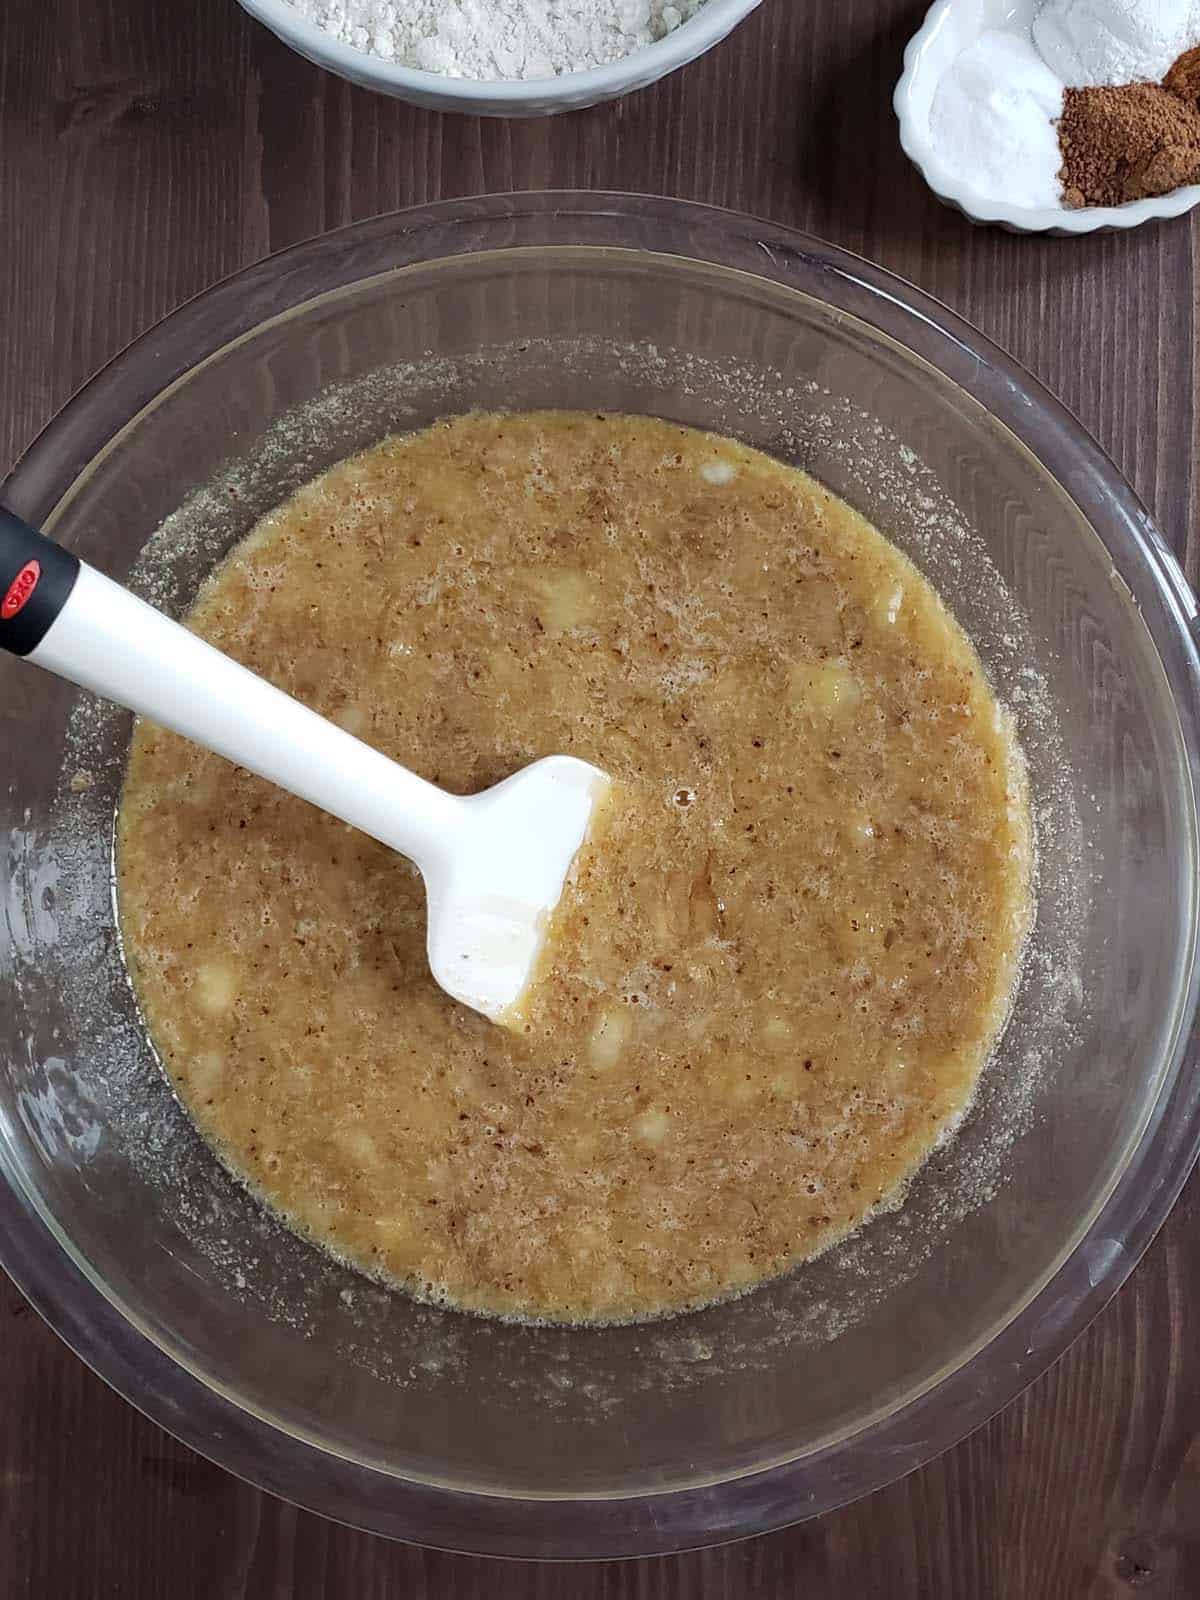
211, 1421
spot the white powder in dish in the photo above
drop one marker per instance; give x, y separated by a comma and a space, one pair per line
491, 40
993, 120
1094, 42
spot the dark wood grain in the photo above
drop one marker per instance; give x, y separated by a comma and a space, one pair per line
148, 147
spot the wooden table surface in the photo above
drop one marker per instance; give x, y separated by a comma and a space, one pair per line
148, 147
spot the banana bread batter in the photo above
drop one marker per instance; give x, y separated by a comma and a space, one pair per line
782, 960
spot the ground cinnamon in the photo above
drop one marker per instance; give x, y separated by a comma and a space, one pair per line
1184, 77
1128, 141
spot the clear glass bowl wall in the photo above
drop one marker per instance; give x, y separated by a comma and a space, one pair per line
421, 1422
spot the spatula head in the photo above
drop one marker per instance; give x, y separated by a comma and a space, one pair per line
490, 906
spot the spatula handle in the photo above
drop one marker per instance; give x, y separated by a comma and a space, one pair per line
65, 616
36, 579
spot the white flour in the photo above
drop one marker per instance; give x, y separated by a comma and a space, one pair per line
496, 39
1091, 42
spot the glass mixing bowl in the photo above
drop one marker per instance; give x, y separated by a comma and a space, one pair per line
347, 1397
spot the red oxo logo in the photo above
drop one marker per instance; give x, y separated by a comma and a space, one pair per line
20, 589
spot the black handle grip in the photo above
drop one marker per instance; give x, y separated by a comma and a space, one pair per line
36, 578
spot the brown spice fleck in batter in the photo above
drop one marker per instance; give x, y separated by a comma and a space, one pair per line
781, 966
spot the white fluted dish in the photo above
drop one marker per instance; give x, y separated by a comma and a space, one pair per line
949, 28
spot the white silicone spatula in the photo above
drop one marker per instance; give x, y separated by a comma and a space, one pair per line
494, 864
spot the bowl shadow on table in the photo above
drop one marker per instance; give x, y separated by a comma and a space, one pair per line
855, 179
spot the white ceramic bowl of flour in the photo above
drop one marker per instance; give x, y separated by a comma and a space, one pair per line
951, 27
524, 97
